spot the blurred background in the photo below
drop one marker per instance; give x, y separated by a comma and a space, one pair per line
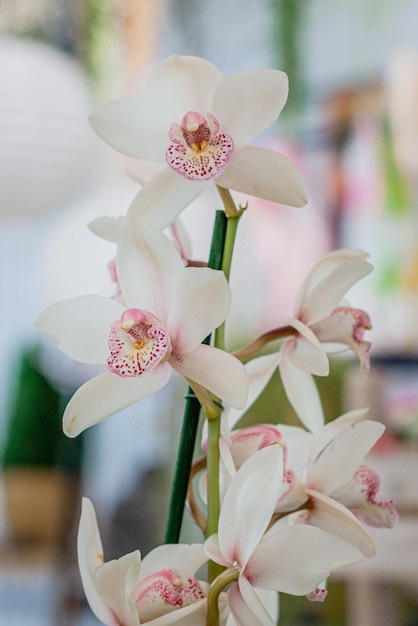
351, 122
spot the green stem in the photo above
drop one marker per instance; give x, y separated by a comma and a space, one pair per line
191, 413
214, 425
221, 582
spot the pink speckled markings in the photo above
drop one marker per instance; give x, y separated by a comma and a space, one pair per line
198, 150
163, 592
138, 342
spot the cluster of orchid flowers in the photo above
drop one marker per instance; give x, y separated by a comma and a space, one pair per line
280, 506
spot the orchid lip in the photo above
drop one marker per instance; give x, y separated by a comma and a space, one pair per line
138, 343
199, 150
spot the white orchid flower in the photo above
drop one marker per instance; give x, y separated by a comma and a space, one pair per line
319, 319
159, 590
292, 560
168, 310
199, 125
337, 488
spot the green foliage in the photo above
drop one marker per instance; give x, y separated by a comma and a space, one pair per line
34, 435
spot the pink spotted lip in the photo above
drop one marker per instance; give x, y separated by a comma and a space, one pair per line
138, 342
198, 150
163, 592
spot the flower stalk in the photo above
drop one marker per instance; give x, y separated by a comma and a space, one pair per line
191, 413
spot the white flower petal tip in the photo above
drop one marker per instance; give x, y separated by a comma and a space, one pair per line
317, 595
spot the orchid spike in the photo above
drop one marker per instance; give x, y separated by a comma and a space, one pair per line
319, 319
170, 310
189, 121
159, 590
292, 559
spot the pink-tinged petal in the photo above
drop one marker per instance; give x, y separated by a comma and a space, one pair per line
346, 326
90, 557
187, 83
247, 103
260, 371
146, 263
296, 559
164, 197
318, 594
216, 370
305, 351
334, 518
246, 606
185, 559
359, 495
108, 394
324, 296
107, 227
302, 394
135, 125
115, 581
81, 326
200, 302
249, 504
265, 174
246, 441
338, 462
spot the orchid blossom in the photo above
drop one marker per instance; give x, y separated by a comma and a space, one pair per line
292, 560
159, 590
339, 490
199, 125
320, 319
167, 312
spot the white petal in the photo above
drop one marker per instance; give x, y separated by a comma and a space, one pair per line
247, 103
186, 83
216, 370
302, 394
249, 503
305, 351
333, 517
108, 394
265, 174
106, 227
115, 581
327, 283
260, 371
137, 126
334, 428
200, 302
146, 263
191, 615
338, 462
81, 326
164, 197
185, 559
90, 557
181, 239
298, 443
213, 551
295, 560
247, 607
325, 267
